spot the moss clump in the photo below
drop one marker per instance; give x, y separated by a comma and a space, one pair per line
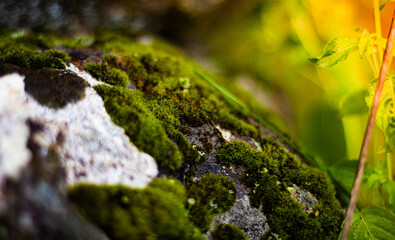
50, 87
228, 232
32, 59
269, 173
54, 88
58, 54
106, 74
155, 212
127, 109
207, 196
172, 92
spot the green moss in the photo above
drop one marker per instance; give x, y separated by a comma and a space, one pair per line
268, 173
228, 232
58, 54
107, 74
207, 145
155, 212
172, 92
127, 109
50, 87
170, 98
169, 80
54, 88
32, 59
171, 186
211, 194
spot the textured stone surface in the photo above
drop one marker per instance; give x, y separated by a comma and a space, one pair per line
35, 206
250, 220
94, 149
305, 198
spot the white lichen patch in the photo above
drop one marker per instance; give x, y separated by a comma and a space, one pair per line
229, 137
93, 149
13, 130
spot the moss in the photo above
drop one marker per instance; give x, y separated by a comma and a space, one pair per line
155, 212
54, 88
32, 59
268, 173
50, 87
170, 98
106, 74
211, 194
228, 232
171, 186
191, 156
127, 109
172, 93
207, 145
58, 54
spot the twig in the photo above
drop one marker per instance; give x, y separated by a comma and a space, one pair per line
368, 131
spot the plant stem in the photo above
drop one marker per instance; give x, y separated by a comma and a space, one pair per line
372, 64
376, 62
369, 129
389, 165
377, 24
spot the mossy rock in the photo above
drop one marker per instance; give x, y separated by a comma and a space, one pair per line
156, 212
228, 232
198, 133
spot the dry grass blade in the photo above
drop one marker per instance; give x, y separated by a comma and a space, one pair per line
368, 131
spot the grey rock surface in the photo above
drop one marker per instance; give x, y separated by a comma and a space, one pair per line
94, 149
34, 205
250, 220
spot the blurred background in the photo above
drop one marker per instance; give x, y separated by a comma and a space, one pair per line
262, 46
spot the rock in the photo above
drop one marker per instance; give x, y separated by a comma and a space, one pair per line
157, 115
33, 204
94, 149
250, 220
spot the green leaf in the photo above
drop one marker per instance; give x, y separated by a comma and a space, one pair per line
385, 118
335, 51
373, 223
344, 172
376, 176
384, 2
364, 41
389, 188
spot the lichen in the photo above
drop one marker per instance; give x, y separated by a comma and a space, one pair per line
207, 196
269, 173
155, 212
228, 232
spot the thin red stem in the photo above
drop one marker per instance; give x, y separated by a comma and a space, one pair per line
368, 131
